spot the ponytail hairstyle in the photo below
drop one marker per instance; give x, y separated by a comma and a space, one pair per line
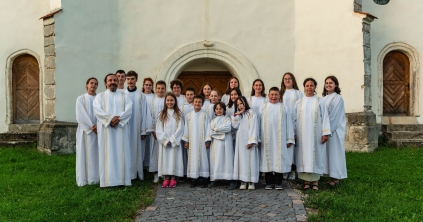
337, 89
313, 80
177, 114
88, 81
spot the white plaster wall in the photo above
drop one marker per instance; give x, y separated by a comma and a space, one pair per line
398, 21
329, 41
20, 29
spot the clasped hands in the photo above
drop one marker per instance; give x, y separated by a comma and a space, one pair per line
115, 121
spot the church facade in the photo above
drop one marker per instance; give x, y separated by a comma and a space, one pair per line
50, 47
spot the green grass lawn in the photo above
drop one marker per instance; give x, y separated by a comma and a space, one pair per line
386, 185
38, 187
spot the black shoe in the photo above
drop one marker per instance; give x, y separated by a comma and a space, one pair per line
203, 182
182, 179
268, 187
193, 183
278, 187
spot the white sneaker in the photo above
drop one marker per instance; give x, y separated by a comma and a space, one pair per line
285, 176
243, 186
251, 186
291, 175
156, 178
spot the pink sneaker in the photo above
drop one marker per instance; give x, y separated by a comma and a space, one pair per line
172, 183
165, 183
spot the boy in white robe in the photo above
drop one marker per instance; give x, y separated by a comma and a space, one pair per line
195, 135
140, 124
120, 74
113, 110
277, 136
186, 108
86, 137
214, 98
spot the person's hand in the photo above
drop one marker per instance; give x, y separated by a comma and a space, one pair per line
207, 145
143, 137
115, 121
186, 145
249, 146
94, 129
259, 145
154, 135
239, 112
168, 143
324, 139
289, 145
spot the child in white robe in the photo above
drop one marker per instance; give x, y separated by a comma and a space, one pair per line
87, 171
195, 135
258, 95
246, 162
232, 83
205, 92
221, 150
169, 130
186, 108
147, 89
214, 98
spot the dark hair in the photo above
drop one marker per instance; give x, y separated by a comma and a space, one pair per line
88, 80
253, 92
177, 112
110, 74
231, 103
161, 82
246, 106
199, 97
152, 83
337, 89
132, 73
274, 88
294, 83
228, 87
190, 89
222, 105
201, 90
120, 71
176, 82
310, 79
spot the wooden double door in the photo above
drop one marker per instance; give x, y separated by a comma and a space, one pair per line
26, 90
396, 84
217, 79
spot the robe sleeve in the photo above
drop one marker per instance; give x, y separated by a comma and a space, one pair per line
289, 126
125, 115
252, 131
225, 127
325, 119
235, 121
160, 133
185, 137
82, 116
176, 137
102, 116
294, 120
337, 110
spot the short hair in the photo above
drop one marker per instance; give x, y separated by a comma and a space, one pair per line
190, 89
199, 97
253, 92
120, 71
335, 80
161, 82
274, 88
222, 105
132, 73
110, 74
177, 82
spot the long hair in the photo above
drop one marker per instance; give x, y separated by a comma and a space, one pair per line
313, 80
201, 90
228, 87
88, 80
253, 92
283, 87
246, 106
163, 116
231, 103
222, 105
152, 84
335, 80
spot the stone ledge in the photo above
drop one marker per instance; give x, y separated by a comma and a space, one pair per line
56, 137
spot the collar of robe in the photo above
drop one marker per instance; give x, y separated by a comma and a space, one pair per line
133, 90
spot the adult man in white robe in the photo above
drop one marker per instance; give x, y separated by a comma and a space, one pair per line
113, 110
140, 124
277, 136
120, 74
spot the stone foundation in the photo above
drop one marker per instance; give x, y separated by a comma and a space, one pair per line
362, 132
56, 137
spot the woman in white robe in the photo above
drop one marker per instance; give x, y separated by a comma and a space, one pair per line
87, 171
221, 150
312, 130
337, 167
169, 131
232, 83
246, 161
148, 91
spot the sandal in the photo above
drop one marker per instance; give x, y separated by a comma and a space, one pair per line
315, 187
332, 183
306, 186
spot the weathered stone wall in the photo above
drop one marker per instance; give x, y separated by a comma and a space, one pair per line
57, 137
49, 70
357, 6
362, 132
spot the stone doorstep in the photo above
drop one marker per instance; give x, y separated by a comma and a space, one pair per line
402, 127
15, 143
21, 128
408, 143
402, 135
11, 137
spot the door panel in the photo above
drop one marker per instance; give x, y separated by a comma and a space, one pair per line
217, 79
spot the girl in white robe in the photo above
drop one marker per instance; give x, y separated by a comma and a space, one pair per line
214, 98
232, 83
221, 150
246, 161
258, 96
205, 92
87, 171
148, 91
169, 131
336, 164
290, 94
312, 130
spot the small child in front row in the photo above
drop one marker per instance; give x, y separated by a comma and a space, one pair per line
221, 150
246, 162
169, 130
196, 125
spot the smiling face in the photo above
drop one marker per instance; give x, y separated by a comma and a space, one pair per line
189, 96
234, 95
240, 105
330, 85
92, 86
148, 86
274, 96
309, 88
258, 87
206, 91
219, 111
233, 83
160, 90
287, 81
170, 102
176, 89
111, 83
198, 103
214, 97
131, 81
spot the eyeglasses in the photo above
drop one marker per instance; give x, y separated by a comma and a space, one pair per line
147, 85
287, 79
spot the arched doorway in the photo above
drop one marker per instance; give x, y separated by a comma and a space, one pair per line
26, 90
396, 84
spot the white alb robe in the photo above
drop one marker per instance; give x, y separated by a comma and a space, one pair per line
114, 149
206, 104
256, 102
225, 99
210, 111
196, 125
276, 131
290, 97
337, 166
246, 161
86, 142
157, 105
170, 156
312, 122
185, 109
221, 150
181, 101
149, 140
140, 123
